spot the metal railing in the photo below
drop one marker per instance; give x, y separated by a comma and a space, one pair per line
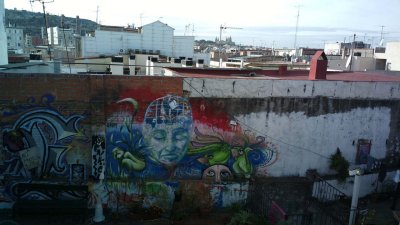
326, 192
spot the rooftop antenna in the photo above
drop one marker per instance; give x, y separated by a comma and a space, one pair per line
45, 22
381, 42
97, 16
141, 17
187, 26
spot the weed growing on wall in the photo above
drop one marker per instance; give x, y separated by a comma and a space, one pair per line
340, 165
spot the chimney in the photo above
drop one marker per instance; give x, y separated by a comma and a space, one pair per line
282, 70
78, 26
318, 67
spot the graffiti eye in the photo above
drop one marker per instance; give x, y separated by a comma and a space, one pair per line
241, 152
225, 174
211, 173
159, 135
210, 156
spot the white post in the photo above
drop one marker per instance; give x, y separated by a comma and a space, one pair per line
98, 210
3, 36
356, 192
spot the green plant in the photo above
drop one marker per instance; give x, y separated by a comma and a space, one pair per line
244, 217
340, 165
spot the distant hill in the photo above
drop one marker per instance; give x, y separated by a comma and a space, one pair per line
32, 22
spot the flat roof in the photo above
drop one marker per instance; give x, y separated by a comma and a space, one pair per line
373, 76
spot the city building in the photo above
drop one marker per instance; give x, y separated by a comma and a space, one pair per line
156, 37
388, 58
63, 37
15, 39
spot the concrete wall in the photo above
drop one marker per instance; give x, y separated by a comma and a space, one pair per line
359, 64
305, 121
156, 145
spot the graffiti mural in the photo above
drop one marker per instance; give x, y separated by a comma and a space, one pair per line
36, 138
153, 147
169, 143
46, 130
98, 156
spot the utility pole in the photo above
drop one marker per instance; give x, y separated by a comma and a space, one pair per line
297, 28
97, 16
46, 24
352, 50
220, 41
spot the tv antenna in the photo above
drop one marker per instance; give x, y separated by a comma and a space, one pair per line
381, 41
45, 23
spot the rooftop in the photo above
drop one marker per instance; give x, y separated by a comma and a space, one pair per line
374, 76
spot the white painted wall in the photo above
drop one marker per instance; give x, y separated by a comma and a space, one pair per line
304, 141
319, 134
3, 38
332, 48
393, 56
183, 46
262, 88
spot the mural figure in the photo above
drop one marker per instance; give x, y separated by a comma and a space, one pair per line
166, 129
242, 155
217, 173
161, 144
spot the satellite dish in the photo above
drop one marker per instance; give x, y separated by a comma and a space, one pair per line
348, 62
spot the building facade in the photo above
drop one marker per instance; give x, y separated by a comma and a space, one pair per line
389, 58
62, 37
156, 37
15, 39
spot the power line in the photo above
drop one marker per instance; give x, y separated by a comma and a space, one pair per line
263, 134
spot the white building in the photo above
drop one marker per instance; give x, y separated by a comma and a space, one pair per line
284, 51
3, 36
15, 39
156, 37
389, 57
56, 35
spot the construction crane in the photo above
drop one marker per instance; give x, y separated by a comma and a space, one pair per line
220, 36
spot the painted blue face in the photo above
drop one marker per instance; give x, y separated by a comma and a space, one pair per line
166, 129
167, 144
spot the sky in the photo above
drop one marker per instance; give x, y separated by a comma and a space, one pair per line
263, 23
